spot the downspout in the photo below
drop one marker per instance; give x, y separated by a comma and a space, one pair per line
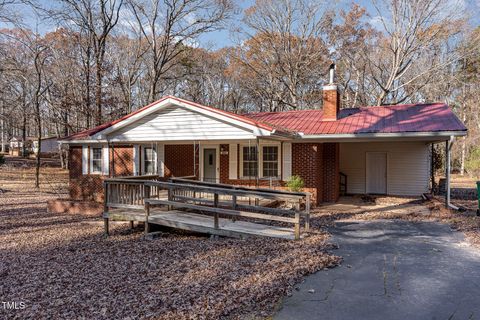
448, 149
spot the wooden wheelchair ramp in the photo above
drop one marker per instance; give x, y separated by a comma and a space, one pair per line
205, 224
205, 208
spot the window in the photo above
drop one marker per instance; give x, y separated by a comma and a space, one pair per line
96, 160
250, 161
148, 160
270, 161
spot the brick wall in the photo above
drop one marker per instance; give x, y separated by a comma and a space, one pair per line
331, 178
306, 163
83, 187
122, 164
179, 160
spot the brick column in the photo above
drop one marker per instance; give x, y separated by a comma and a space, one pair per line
306, 163
331, 168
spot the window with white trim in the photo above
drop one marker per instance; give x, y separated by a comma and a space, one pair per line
149, 157
96, 160
270, 161
249, 161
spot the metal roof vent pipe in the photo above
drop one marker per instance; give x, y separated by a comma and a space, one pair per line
331, 97
332, 73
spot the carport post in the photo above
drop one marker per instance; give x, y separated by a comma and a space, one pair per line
448, 146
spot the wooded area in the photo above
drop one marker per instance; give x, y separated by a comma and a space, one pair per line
106, 58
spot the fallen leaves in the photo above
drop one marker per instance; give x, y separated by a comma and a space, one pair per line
61, 267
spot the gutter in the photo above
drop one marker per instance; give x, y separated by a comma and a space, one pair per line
383, 135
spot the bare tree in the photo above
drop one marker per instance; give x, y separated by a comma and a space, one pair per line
169, 27
416, 36
96, 18
285, 54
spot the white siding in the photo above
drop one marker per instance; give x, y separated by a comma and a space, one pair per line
232, 161
176, 124
105, 160
408, 166
161, 159
287, 161
84, 159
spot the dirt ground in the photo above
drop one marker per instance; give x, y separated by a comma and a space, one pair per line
61, 267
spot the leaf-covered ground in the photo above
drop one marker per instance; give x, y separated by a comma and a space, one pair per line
61, 267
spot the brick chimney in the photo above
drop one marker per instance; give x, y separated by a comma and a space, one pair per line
331, 98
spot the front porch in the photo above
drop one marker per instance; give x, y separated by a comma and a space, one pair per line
248, 163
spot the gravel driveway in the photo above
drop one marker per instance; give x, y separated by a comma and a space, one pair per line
392, 270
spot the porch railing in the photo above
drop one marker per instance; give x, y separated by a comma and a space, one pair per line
235, 201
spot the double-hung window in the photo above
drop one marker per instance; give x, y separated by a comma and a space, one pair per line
263, 163
270, 161
250, 161
149, 157
96, 160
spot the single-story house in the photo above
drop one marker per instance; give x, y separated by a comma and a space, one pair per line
377, 150
49, 145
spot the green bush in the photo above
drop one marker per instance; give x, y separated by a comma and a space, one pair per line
2, 159
295, 184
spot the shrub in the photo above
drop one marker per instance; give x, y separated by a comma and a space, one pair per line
295, 183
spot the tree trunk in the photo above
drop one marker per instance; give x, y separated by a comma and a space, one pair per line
87, 89
2, 123
98, 94
37, 162
24, 135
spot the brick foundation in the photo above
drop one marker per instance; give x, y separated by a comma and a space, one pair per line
74, 207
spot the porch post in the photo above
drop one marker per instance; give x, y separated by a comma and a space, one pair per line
448, 145
258, 161
432, 168
112, 174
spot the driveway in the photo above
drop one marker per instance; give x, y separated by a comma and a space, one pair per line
392, 270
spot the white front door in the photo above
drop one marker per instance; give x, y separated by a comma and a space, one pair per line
376, 175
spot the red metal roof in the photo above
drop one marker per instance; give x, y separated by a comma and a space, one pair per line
384, 119
381, 119
90, 132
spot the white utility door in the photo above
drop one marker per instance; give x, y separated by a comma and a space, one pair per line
376, 178
210, 165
